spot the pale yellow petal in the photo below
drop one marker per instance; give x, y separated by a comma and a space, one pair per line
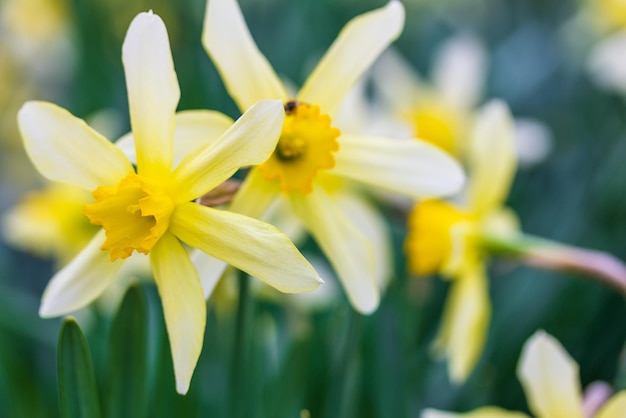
346, 247
81, 281
250, 141
460, 70
486, 412
153, 93
492, 157
465, 323
210, 270
550, 378
615, 407
406, 166
250, 245
194, 129
397, 82
370, 221
356, 48
247, 74
255, 195
64, 148
184, 307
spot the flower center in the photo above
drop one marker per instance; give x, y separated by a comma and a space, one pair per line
431, 239
437, 128
134, 215
306, 145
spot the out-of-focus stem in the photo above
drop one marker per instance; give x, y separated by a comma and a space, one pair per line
239, 391
551, 255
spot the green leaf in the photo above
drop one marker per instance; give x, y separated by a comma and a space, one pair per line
126, 389
78, 394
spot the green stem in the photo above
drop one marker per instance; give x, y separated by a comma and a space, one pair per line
338, 401
239, 390
544, 253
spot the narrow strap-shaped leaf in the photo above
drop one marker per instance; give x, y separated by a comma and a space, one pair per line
78, 394
126, 384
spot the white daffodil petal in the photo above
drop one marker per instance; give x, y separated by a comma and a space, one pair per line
407, 166
194, 129
81, 281
549, 377
356, 48
250, 245
615, 407
255, 195
153, 93
249, 141
247, 74
465, 322
64, 148
210, 270
369, 221
460, 70
486, 412
184, 307
347, 248
492, 157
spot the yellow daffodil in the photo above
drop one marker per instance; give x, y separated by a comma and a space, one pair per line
442, 109
50, 222
456, 240
150, 210
314, 159
550, 380
446, 238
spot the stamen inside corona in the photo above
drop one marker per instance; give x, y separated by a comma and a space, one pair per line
436, 127
306, 145
134, 215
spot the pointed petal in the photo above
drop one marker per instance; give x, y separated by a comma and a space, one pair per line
407, 166
615, 407
492, 158
81, 281
64, 148
369, 220
153, 92
247, 74
465, 322
346, 247
549, 377
194, 129
459, 71
250, 245
398, 83
486, 412
250, 141
210, 270
356, 48
183, 306
255, 195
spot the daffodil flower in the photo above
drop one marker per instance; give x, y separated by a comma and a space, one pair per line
442, 109
313, 159
445, 238
457, 239
150, 210
550, 380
